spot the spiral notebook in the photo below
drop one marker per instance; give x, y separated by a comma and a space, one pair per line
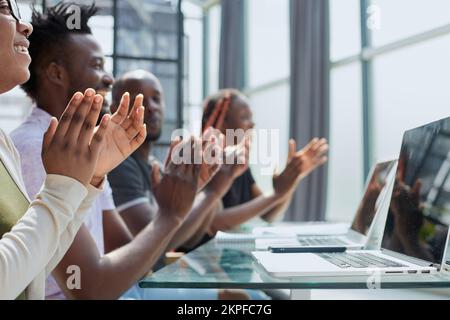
224, 237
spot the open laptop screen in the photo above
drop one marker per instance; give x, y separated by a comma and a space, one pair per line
419, 211
376, 187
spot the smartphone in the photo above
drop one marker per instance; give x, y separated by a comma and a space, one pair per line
280, 249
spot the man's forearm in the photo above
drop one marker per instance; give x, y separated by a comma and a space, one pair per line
116, 272
206, 203
278, 210
235, 216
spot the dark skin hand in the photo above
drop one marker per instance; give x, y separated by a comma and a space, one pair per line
299, 165
70, 147
367, 209
235, 163
208, 201
212, 147
124, 135
58, 82
139, 216
129, 262
406, 208
407, 212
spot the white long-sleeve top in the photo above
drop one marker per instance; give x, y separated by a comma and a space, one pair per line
39, 240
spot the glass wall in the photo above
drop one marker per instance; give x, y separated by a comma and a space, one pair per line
346, 127
397, 78
267, 41
411, 88
268, 63
193, 99
213, 20
346, 157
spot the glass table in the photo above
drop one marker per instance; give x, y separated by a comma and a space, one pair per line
231, 266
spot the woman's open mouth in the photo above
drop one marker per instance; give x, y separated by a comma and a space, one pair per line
21, 49
22, 46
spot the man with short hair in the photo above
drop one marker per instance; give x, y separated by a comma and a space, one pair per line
130, 181
64, 62
131, 185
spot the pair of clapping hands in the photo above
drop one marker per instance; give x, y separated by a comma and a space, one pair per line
74, 147
176, 187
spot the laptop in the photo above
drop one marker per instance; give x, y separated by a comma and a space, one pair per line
356, 237
415, 236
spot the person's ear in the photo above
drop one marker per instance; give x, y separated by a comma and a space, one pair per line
57, 74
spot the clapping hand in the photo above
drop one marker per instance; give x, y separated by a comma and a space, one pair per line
175, 189
125, 133
71, 147
299, 165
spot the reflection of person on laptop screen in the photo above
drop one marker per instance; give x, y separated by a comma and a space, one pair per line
369, 205
411, 232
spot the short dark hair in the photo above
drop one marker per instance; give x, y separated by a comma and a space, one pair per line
217, 104
51, 33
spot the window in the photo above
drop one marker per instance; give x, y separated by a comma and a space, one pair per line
399, 77
213, 48
345, 35
193, 28
267, 41
400, 19
142, 35
268, 63
266, 70
411, 88
265, 103
345, 166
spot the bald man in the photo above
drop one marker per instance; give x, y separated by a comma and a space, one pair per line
131, 183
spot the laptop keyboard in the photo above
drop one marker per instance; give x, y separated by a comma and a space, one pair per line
358, 260
321, 241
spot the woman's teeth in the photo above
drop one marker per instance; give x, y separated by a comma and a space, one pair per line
21, 49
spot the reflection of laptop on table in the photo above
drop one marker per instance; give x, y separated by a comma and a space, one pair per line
355, 237
416, 231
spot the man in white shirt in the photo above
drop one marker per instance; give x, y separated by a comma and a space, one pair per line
28, 141
56, 73
36, 233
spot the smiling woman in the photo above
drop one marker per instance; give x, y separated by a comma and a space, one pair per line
15, 59
35, 235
